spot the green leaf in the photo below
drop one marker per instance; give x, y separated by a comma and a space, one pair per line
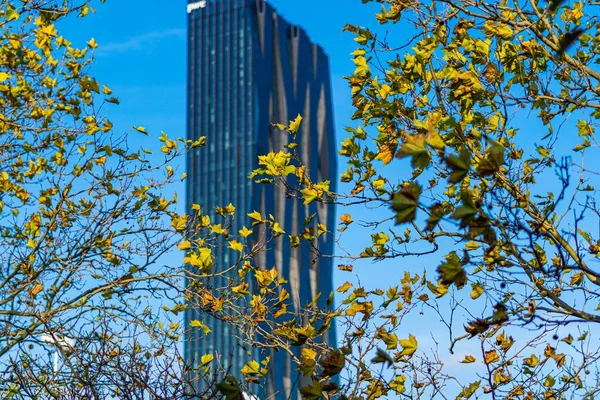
451, 272
312, 392
11, 13
439, 290
467, 211
493, 159
550, 381
436, 213
230, 388
309, 219
476, 327
568, 39
469, 391
554, 4
500, 314
415, 147
459, 165
333, 363
381, 356
586, 236
405, 202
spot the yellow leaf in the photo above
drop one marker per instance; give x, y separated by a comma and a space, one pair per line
179, 222
568, 339
385, 154
36, 289
309, 195
472, 246
384, 90
199, 324
92, 43
295, 124
346, 219
257, 218
202, 259
251, 368
550, 381
344, 287
235, 245
504, 31
359, 188
265, 277
477, 290
438, 291
491, 356
576, 279
240, 289
321, 229
277, 231
230, 209
378, 184
308, 354
4, 76
361, 66
217, 228
205, 221
184, 245
207, 358
245, 232
11, 13
468, 359
49, 30
106, 90
435, 141
141, 129
560, 359
409, 346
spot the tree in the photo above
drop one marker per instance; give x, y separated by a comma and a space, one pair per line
472, 129
83, 226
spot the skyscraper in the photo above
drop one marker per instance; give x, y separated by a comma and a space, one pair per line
249, 67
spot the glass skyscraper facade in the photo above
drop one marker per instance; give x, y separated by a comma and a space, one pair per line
249, 67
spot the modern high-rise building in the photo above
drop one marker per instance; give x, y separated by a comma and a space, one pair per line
249, 67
